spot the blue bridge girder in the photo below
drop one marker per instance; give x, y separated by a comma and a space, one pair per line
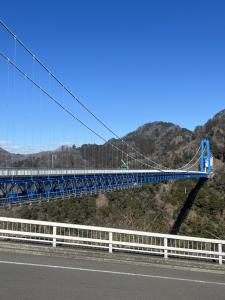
17, 189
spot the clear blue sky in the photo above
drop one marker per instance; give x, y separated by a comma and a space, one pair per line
131, 62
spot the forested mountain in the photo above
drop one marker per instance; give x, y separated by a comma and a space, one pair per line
154, 207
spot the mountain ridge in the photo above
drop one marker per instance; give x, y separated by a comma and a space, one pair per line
163, 142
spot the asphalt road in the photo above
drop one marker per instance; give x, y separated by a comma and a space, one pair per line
39, 277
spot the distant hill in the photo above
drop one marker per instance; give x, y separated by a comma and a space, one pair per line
4, 158
163, 142
4, 152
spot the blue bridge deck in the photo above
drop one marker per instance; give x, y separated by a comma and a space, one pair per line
18, 185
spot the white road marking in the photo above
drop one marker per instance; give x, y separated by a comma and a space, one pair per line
113, 272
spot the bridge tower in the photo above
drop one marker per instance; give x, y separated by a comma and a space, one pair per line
206, 161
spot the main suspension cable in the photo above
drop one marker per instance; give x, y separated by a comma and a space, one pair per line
193, 158
64, 108
74, 96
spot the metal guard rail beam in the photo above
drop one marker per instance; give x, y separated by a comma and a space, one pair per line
111, 239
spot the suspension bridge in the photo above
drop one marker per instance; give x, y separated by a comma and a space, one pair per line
131, 169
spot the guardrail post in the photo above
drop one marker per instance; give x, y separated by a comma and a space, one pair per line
110, 242
220, 254
54, 237
165, 248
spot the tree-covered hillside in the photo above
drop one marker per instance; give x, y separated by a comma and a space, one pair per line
153, 207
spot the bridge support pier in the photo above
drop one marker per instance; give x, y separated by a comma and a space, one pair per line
187, 206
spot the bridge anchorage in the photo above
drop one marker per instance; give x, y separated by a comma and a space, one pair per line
27, 185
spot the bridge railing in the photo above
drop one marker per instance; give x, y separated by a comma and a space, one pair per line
14, 172
110, 239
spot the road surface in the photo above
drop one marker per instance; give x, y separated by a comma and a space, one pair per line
33, 277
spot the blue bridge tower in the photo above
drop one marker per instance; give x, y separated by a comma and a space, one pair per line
206, 161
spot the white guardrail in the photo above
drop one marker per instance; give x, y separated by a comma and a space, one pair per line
112, 239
